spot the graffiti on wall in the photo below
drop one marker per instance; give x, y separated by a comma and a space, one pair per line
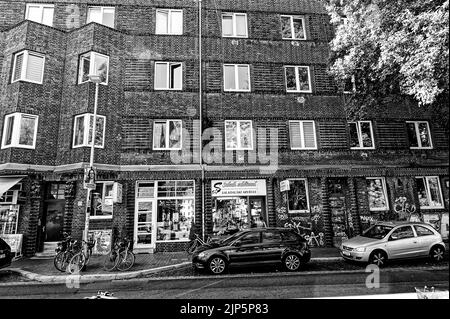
405, 210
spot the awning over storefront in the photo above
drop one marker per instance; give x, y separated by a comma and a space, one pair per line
6, 182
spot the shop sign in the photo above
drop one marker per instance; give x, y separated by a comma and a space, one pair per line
284, 186
238, 188
14, 241
117, 192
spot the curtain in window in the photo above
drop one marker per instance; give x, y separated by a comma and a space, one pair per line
159, 138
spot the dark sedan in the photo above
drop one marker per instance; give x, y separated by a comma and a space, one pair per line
5, 254
256, 246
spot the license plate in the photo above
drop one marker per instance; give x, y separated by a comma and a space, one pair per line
2, 256
346, 253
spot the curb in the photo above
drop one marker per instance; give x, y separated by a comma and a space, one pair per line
85, 278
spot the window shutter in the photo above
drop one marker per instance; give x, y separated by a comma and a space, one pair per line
18, 67
295, 135
309, 134
35, 68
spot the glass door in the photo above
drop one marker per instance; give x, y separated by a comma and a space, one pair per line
144, 235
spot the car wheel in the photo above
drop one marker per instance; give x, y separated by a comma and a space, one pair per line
292, 262
217, 265
379, 258
437, 253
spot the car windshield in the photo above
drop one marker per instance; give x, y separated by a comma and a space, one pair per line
377, 231
229, 239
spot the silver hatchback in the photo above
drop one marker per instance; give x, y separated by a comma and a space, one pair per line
387, 240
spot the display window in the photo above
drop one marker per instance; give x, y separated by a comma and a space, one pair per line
9, 217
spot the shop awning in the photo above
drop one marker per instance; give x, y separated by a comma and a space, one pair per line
7, 182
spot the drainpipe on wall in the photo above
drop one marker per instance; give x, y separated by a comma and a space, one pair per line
200, 96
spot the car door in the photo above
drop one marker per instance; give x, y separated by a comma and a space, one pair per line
272, 245
246, 249
402, 243
425, 237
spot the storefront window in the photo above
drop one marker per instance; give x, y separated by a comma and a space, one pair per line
175, 218
103, 200
376, 189
9, 216
297, 196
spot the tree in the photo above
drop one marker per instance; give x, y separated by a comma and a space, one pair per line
393, 50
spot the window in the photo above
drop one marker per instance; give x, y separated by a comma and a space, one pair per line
349, 85
238, 135
101, 15
168, 76
20, 130
271, 237
293, 28
302, 135
167, 135
103, 200
236, 77
376, 190
234, 25
298, 79
82, 130
9, 218
11, 195
419, 135
402, 232
56, 191
93, 63
429, 192
298, 200
169, 21
423, 231
41, 13
361, 135
251, 238
28, 66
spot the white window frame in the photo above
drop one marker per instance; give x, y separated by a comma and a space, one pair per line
169, 22
86, 121
353, 81
292, 17
41, 7
234, 21
302, 135
94, 217
358, 130
11, 192
383, 183
236, 77
168, 76
167, 134
297, 79
308, 209
419, 142
15, 137
427, 186
91, 66
238, 136
23, 73
102, 9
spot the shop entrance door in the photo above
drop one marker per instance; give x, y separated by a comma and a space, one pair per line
340, 214
54, 220
144, 225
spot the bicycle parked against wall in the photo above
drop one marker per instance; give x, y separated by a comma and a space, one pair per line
64, 252
121, 256
81, 258
197, 242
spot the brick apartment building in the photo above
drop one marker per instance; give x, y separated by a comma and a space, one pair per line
277, 146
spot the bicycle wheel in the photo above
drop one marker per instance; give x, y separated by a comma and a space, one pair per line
62, 259
125, 260
110, 261
76, 263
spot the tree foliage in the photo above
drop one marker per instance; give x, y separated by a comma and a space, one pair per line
394, 50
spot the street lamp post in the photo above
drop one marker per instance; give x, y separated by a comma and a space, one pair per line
89, 202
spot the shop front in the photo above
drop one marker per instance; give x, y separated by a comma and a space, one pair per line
164, 213
237, 205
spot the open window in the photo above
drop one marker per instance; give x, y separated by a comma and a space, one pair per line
20, 130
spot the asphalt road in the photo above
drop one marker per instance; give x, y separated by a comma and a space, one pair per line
242, 286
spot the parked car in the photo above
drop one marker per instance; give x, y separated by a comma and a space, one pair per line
253, 247
394, 240
5, 254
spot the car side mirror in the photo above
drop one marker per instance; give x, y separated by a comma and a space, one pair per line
393, 237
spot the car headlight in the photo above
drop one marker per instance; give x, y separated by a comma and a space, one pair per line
202, 255
360, 249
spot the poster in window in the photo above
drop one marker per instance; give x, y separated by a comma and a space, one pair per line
102, 240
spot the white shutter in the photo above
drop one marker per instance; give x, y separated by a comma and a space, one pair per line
18, 67
295, 135
309, 134
35, 67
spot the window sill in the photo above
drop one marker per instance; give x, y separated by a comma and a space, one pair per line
18, 146
385, 209
167, 89
28, 81
168, 149
362, 148
99, 217
421, 148
235, 36
80, 146
303, 149
432, 207
298, 91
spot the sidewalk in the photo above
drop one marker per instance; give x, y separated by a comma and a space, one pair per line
43, 270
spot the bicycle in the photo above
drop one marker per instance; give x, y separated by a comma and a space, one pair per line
197, 242
81, 258
64, 253
121, 256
